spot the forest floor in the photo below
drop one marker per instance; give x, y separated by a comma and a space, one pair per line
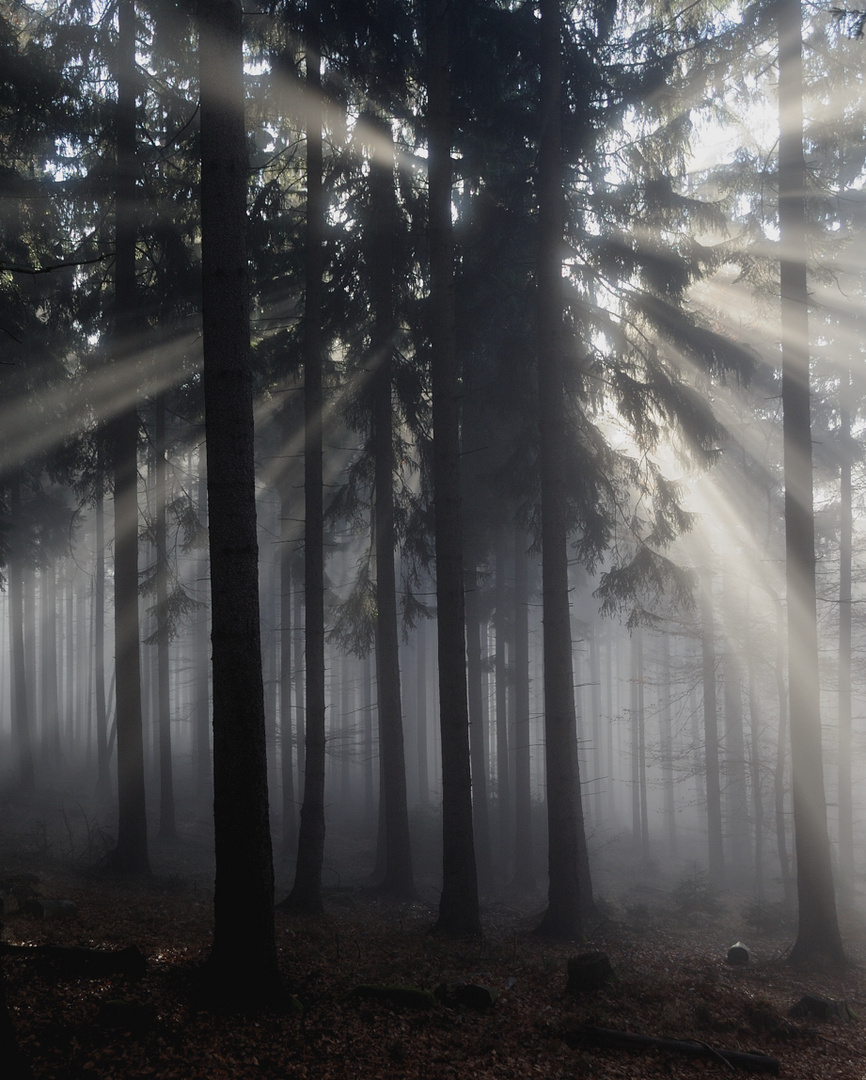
671, 980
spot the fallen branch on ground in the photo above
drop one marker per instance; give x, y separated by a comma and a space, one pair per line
607, 1037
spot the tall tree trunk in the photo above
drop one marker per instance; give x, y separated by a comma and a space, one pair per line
781, 756
716, 852
458, 903
421, 713
818, 928
755, 771
504, 644
48, 642
477, 724
243, 961
289, 823
130, 855
570, 891
306, 893
736, 788
201, 652
103, 767
397, 879
167, 828
666, 744
22, 737
524, 874
846, 526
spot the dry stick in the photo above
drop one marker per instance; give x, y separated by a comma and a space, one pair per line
608, 1037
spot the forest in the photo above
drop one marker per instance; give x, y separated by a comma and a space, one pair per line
431, 544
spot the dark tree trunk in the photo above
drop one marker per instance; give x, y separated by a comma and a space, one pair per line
22, 738
736, 788
635, 722
666, 744
639, 722
818, 934
201, 746
397, 879
289, 823
504, 645
103, 767
167, 829
421, 713
458, 903
477, 725
716, 853
243, 961
755, 771
50, 700
130, 856
781, 754
524, 873
306, 893
569, 891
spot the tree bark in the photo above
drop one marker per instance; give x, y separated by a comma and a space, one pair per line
458, 903
167, 828
504, 646
306, 893
242, 964
397, 879
666, 745
818, 936
289, 823
21, 732
103, 768
716, 852
202, 740
477, 724
130, 855
524, 874
569, 891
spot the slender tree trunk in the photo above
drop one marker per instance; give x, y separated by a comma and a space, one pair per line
167, 828
716, 853
736, 788
130, 855
243, 961
48, 649
21, 731
421, 713
666, 744
306, 893
846, 526
504, 643
397, 879
634, 748
477, 726
818, 934
287, 539
202, 741
781, 754
570, 892
755, 770
458, 904
30, 663
103, 767
524, 874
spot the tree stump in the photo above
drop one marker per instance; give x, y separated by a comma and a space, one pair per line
588, 971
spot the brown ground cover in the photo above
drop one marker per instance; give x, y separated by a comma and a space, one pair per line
671, 980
